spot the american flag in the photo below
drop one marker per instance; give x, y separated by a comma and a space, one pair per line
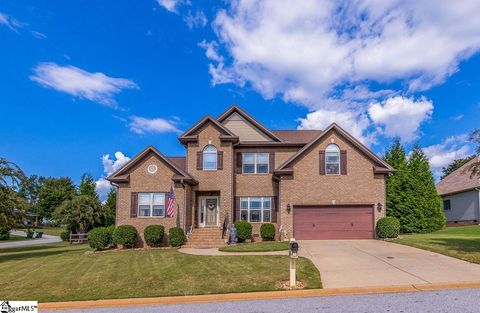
171, 198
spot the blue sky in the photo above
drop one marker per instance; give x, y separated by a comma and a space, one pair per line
82, 81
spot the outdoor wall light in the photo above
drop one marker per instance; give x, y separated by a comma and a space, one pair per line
289, 208
379, 207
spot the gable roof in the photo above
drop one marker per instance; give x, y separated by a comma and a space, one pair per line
459, 180
190, 134
382, 166
121, 174
234, 108
297, 136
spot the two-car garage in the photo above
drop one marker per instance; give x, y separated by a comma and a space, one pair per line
333, 222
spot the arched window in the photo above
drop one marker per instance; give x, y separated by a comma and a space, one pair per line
332, 160
209, 158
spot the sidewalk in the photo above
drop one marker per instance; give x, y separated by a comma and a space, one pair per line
216, 252
45, 239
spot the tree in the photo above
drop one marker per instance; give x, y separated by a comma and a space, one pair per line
30, 190
455, 165
80, 214
87, 186
53, 193
12, 205
475, 138
109, 207
396, 183
426, 202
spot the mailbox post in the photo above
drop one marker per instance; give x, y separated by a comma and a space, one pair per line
293, 252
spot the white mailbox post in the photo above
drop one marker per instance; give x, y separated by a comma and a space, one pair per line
293, 252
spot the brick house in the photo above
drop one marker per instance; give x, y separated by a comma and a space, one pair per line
310, 184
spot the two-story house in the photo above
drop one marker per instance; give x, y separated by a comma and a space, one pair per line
311, 184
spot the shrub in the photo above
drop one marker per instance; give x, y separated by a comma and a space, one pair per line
125, 235
267, 231
4, 233
100, 238
388, 227
244, 230
65, 235
176, 236
153, 235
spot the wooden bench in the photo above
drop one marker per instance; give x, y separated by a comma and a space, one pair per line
78, 238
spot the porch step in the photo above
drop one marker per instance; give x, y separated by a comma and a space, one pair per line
205, 238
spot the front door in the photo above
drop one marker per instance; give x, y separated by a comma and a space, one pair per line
208, 211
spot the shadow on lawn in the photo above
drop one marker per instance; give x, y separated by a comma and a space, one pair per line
458, 244
19, 253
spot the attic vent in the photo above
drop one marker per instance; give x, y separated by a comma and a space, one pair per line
152, 168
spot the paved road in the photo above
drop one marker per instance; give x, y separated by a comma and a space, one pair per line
451, 301
367, 263
21, 243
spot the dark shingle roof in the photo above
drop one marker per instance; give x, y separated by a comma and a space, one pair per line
180, 162
297, 136
459, 180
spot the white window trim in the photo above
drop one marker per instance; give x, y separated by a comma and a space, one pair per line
255, 162
151, 205
210, 152
262, 221
326, 160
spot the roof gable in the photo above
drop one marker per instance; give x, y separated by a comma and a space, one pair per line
235, 115
192, 133
382, 166
459, 180
122, 175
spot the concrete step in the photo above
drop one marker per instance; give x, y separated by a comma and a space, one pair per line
202, 246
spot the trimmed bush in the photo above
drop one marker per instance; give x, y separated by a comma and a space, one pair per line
176, 236
388, 227
65, 235
4, 233
153, 235
100, 238
267, 231
244, 230
125, 235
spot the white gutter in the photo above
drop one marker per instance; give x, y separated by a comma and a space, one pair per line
478, 219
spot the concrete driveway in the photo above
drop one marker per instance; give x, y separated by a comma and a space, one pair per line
367, 263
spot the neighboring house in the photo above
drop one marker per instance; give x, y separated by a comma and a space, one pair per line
461, 196
311, 184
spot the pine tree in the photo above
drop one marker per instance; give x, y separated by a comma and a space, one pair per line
87, 186
426, 202
109, 207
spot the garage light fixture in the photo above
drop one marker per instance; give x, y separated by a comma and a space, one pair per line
379, 207
289, 208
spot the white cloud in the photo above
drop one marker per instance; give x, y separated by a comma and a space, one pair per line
110, 165
142, 125
38, 35
197, 20
442, 154
10, 22
457, 117
401, 117
170, 5
74, 81
355, 124
313, 52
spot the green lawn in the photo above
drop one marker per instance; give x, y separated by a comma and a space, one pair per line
15, 238
257, 247
458, 242
53, 231
60, 272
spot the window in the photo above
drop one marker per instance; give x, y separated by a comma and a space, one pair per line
151, 204
152, 168
255, 163
447, 206
210, 158
332, 160
255, 209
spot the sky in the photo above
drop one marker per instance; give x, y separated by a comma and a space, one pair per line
85, 86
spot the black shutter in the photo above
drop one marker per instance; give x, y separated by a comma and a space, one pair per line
219, 160
321, 162
199, 160
237, 209
239, 163
134, 204
343, 162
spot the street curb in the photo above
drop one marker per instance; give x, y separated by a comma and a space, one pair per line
252, 296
